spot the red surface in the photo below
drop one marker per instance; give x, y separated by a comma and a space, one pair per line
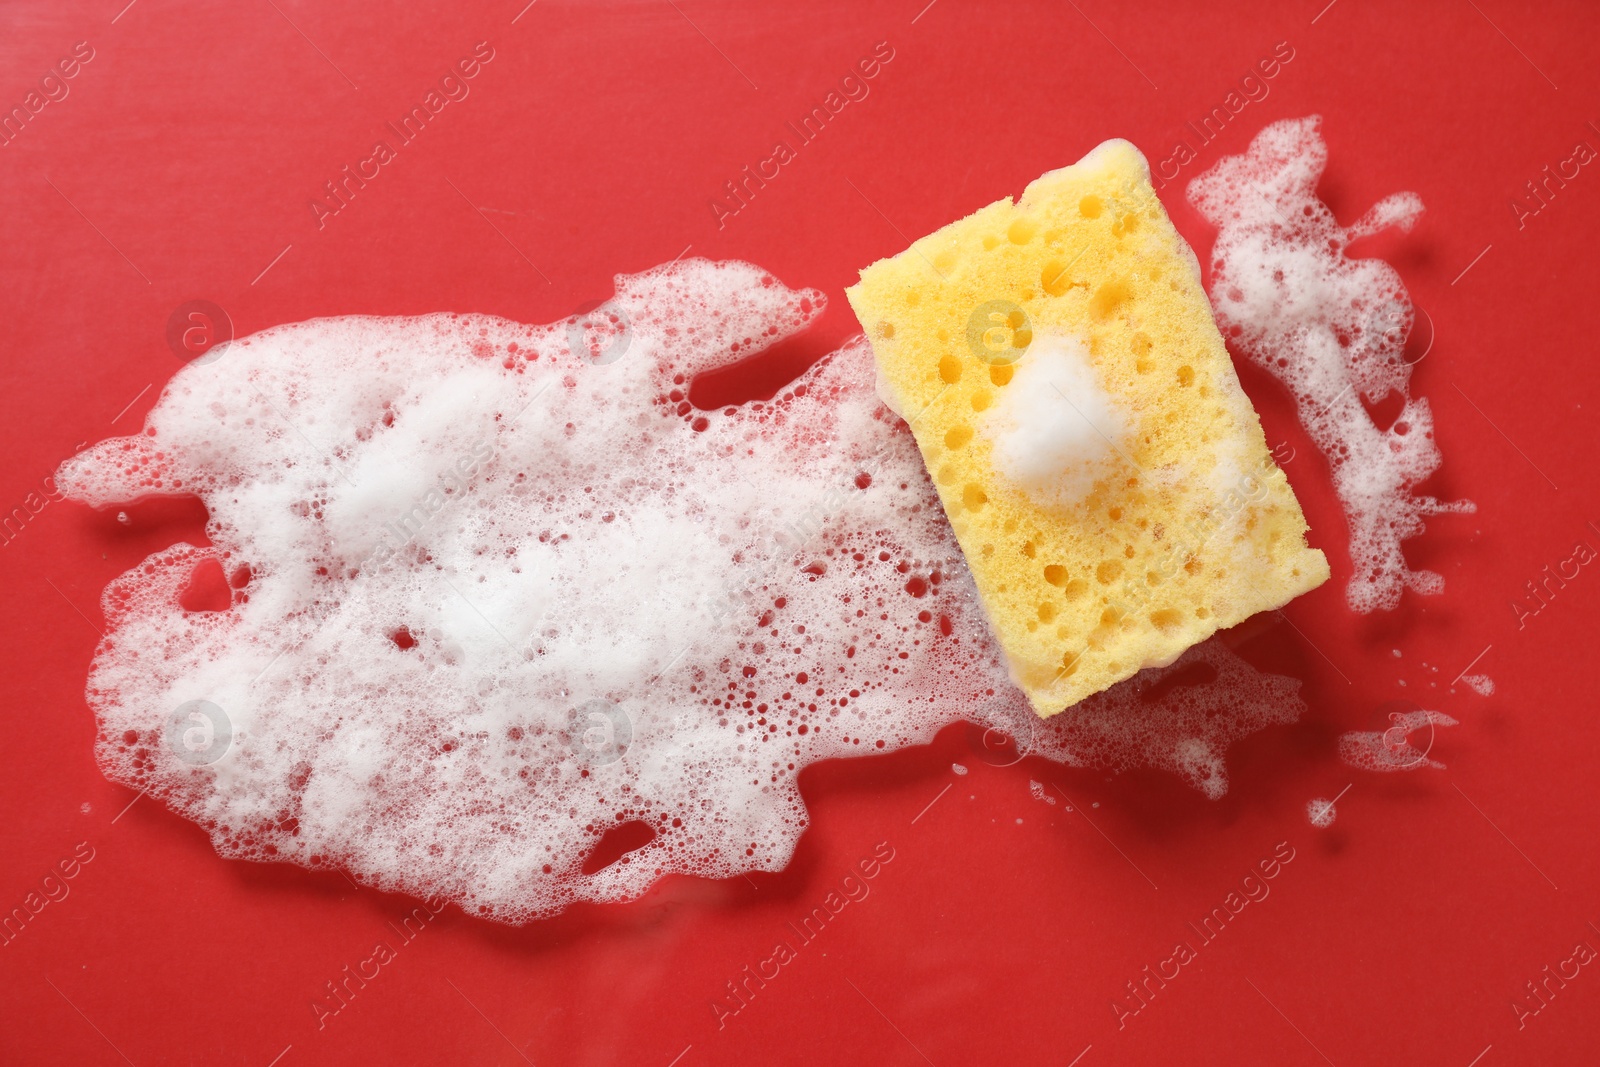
183, 161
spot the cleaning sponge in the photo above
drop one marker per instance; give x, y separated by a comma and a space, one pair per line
1105, 475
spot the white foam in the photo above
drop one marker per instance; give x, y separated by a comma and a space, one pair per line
1320, 812
499, 588
1056, 430
1393, 749
1333, 329
1180, 718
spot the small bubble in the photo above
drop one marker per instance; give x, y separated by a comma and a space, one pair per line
122, 517
1321, 812
958, 768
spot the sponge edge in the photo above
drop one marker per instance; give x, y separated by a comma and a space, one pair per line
1104, 473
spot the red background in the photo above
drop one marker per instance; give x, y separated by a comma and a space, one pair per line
183, 162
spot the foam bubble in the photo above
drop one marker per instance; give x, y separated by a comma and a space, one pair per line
1333, 329
499, 589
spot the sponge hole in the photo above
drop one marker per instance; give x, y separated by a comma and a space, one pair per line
1110, 296
1166, 620
957, 437
1089, 207
1054, 277
949, 369
1054, 573
1022, 231
1142, 362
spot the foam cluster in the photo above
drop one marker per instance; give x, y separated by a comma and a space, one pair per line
1384, 751
499, 589
1180, 718
1333, 329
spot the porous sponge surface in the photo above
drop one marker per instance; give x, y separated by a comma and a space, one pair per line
1179, 523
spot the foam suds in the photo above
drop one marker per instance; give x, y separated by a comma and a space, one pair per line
1393, 749
1320, 812
1180, 718
1333, 329
1057, 430
1481, 684
499, 589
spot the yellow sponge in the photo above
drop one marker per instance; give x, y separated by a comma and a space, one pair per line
1105, 474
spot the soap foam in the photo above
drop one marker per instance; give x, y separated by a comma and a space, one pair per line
499, 588
1180, 718
1056, 431
1333, 329
1320, 812
1390, 750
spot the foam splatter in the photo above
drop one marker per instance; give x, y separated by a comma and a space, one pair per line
1333, 329
1393, 749
499, 589
1180, 718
